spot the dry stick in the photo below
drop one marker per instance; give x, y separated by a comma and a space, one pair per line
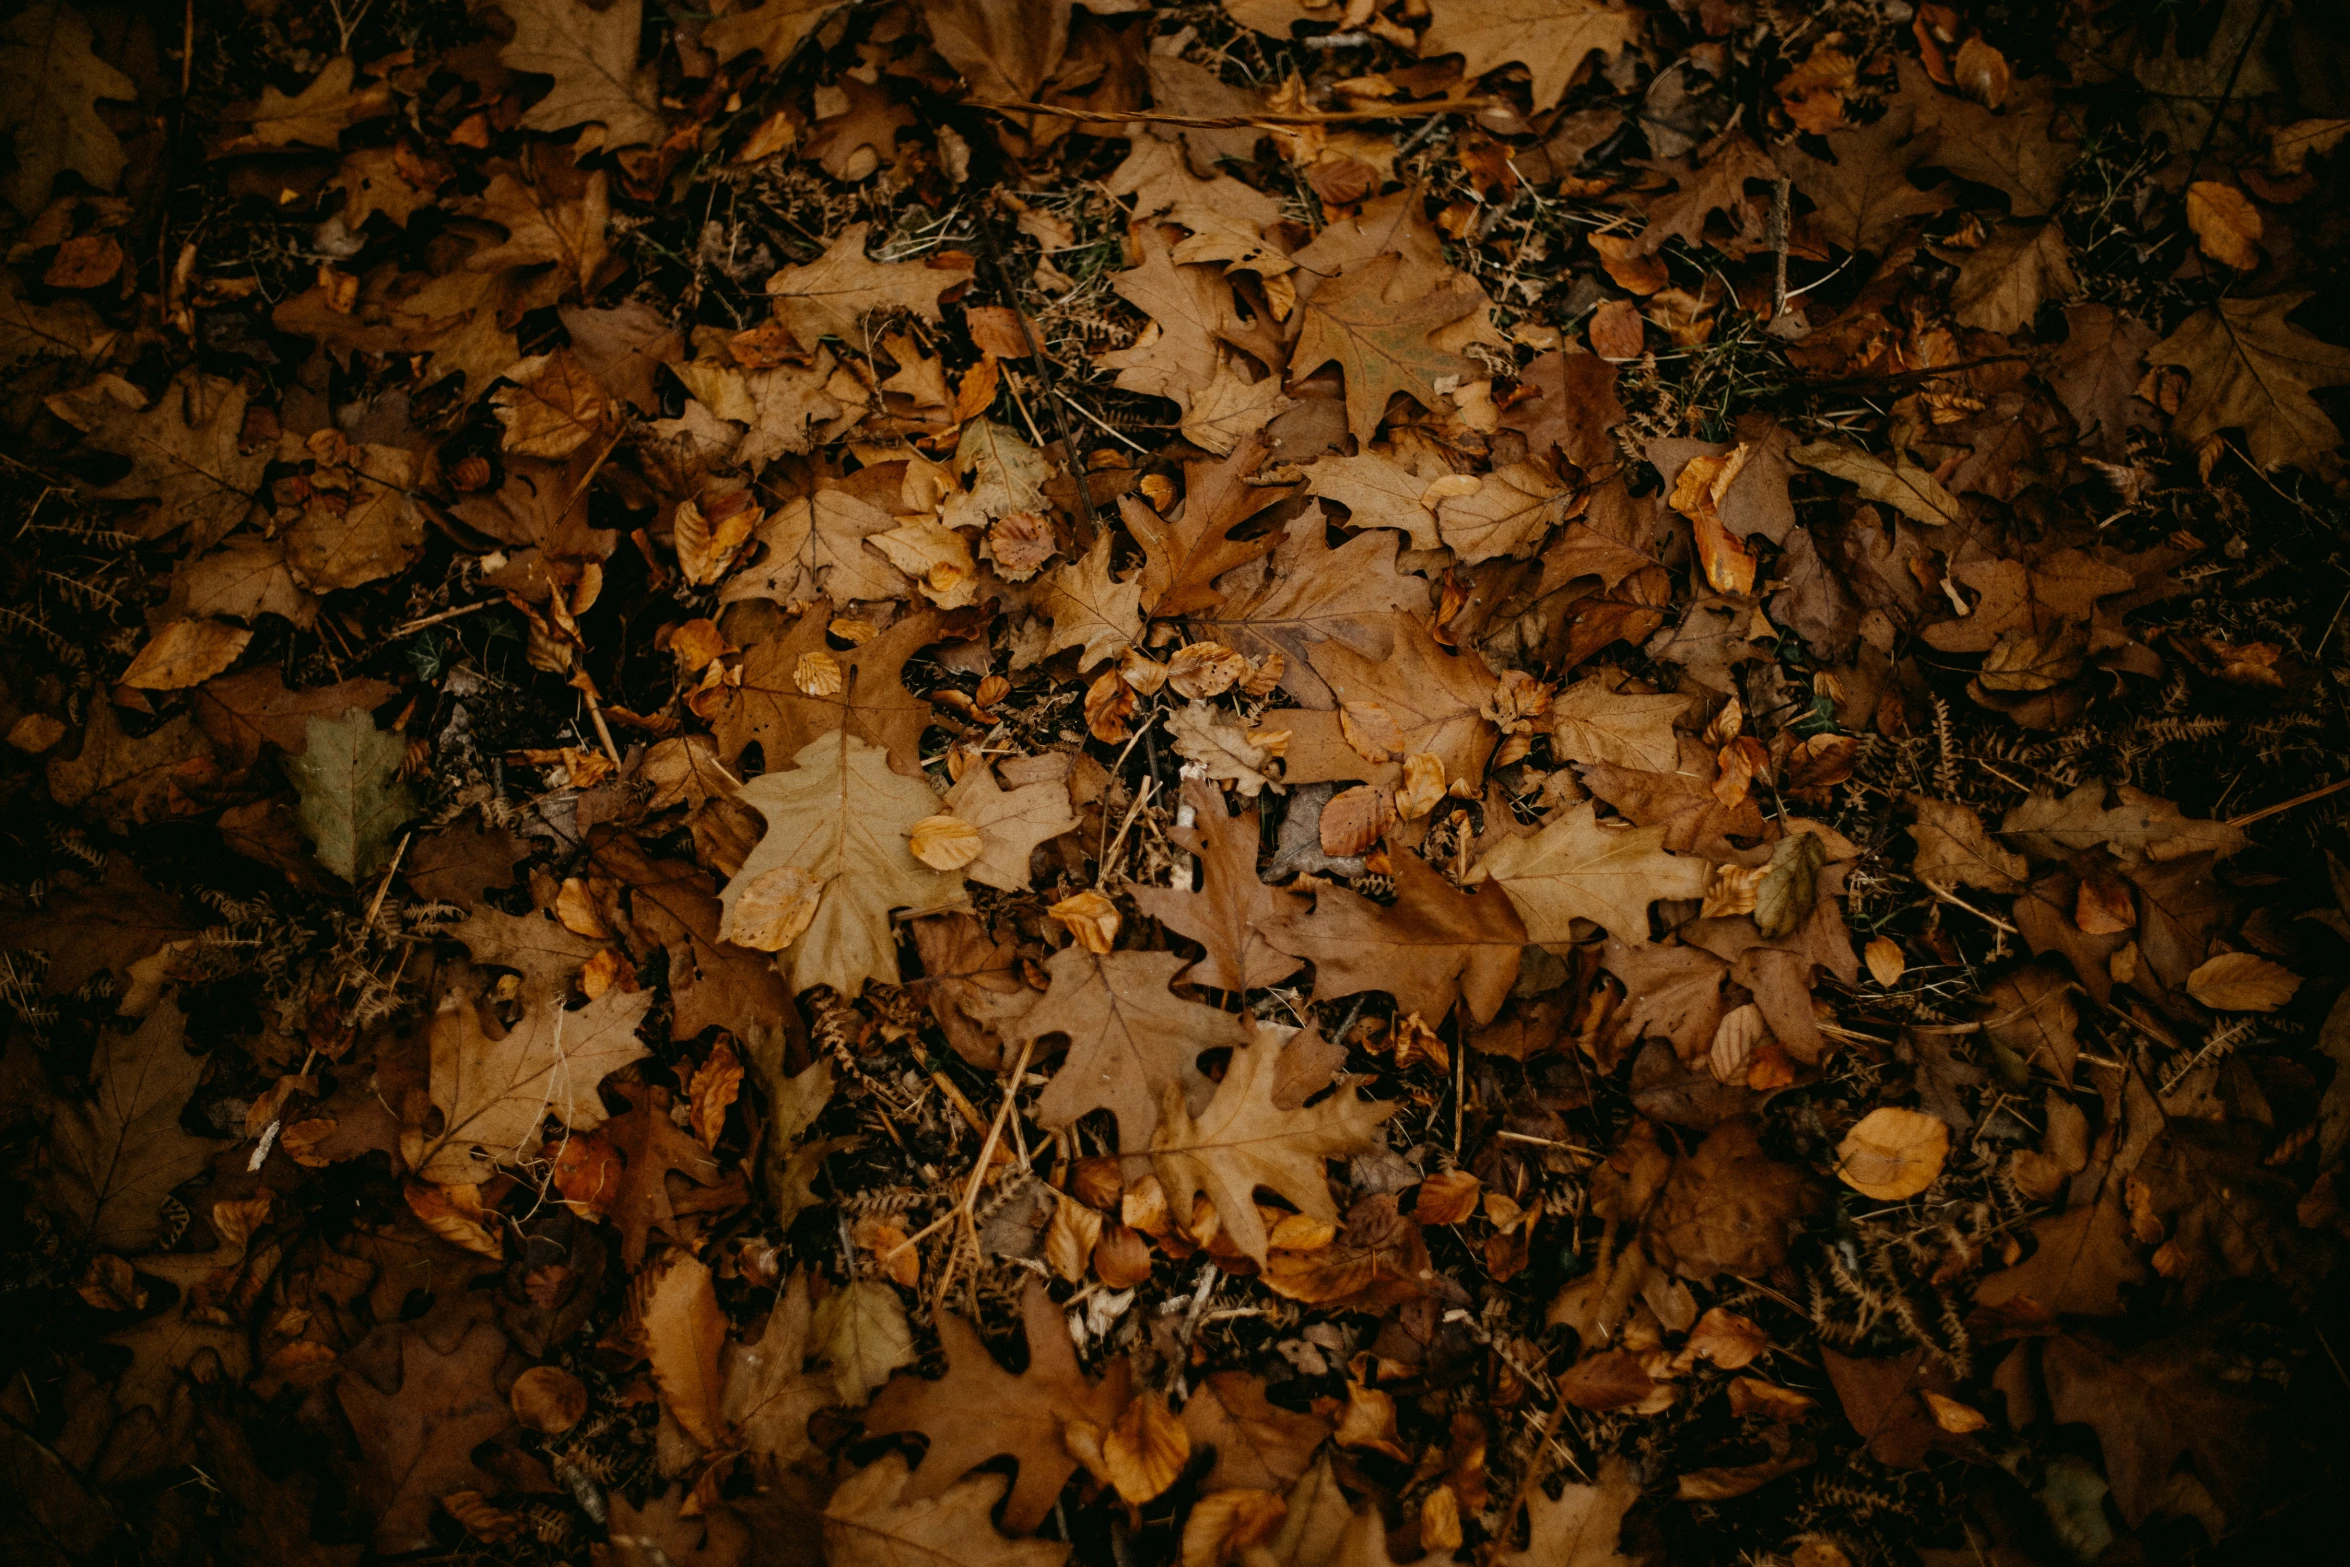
964, 1209
2266, 811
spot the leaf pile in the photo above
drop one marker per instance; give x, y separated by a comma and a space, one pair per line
1283, 783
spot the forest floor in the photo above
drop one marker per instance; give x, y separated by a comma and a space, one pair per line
994, 782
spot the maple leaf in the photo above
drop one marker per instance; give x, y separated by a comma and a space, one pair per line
116, 1158
315, 117
832, 295
1551, 38
1863, 193
782, 711
2251, 369
419, 1437
1576, 869
1233, 912
1130, 1037
1091, 610
1242, 1140
833, 864
184, 451
50, 112
1027, 1413
873, 1521
775, 29
1380, 345
349, 797
592, 56
1434, 945
769, 1393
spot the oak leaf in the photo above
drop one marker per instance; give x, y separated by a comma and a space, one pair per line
1092, 610
1380, 344
2154, 1404
652, 1147
1591, 723
317, 116
1026, 1413
1864, 194
775, 29
1258, 1444
1306, 594
118, 778
2139, 827
2251, 369
1011, 823
1427, 698
1901, 484
777, 712
1436, 944
1130, 1038
50, 112
837, 821
592, 55
832, 295
1242, 1140
1233, 912
2002, 285
879, 1518
1510, 512
1551, 38
418, 1439
2017, 149
1580, 1526
769, 1392
1183, 556
1575, 868
1955, 851
185, 451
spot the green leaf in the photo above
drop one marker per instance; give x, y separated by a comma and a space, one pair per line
350, 799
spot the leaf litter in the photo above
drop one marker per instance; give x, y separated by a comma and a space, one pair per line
1485, 781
